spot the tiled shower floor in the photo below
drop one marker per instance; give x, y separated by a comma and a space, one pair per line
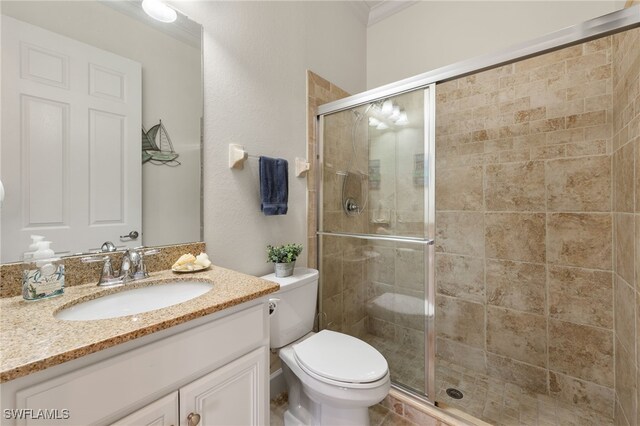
486, 398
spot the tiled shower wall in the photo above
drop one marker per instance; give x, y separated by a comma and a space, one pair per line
626, 219
524, 224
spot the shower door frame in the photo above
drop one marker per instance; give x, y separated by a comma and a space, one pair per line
621, 20
428, 239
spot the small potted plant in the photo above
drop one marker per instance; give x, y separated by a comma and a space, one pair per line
284, 257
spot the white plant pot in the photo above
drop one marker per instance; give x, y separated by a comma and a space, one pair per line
284, 269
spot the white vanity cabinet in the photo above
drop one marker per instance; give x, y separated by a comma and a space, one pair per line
215, 367
163, 412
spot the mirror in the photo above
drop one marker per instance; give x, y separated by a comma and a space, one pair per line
101, 127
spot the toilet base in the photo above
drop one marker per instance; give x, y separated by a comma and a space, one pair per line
330, 416
314, 403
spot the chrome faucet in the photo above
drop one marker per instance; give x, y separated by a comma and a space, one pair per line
132, 267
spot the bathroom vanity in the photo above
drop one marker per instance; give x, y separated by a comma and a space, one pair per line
203, 361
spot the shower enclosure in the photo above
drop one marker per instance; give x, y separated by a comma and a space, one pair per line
376, 228
479, 225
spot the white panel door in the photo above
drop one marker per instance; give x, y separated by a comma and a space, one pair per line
233, 395
163, 412
71, 145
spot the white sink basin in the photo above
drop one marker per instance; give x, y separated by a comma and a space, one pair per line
135, 301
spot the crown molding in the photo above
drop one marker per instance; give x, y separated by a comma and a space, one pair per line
361, 10
387, 8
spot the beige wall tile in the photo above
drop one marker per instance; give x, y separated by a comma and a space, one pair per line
579, 184
466, 356
459, 188
581, 393
516, 285
637, 183
460, 276
332, 307
623, 177
581, 296
517, 335
381, 265
579, 239
515, 186
459, 320
625, 314
460, 233
533, 379
624, 245
581, 351
626, 375
515, 236
410, 268
331, 279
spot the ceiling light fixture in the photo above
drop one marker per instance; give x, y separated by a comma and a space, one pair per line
387, 107
402, 120
159, 11
373, 121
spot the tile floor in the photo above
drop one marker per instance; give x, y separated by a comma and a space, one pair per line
501, 403
492, 400
378, 415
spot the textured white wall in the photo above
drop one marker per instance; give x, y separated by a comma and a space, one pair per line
255, 59
432, 34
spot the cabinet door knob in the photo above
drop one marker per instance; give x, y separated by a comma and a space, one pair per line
193, 419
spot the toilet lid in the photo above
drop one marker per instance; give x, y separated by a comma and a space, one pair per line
340, 357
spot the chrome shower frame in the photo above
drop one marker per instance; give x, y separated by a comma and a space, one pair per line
618, 21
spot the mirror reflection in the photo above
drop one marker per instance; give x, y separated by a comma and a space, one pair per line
101, 127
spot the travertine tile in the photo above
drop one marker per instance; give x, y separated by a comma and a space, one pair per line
381, 265
637, 183
625, 314
515, 236
588, 118
459, 188
626, 375
515, 186
533, 379
579, 184
460, 233
516, 285
410, 268
581, 393
517, 335
581, 351
579, 239
623, 177
581, 296
460, 276
624, 245
469, 357
459, 320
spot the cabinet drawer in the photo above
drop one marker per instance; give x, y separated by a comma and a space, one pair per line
109, 389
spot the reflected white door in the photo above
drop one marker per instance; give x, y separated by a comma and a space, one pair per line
71, 159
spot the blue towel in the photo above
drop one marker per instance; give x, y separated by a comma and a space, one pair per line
274, 186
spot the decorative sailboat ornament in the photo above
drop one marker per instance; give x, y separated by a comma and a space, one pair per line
157, 147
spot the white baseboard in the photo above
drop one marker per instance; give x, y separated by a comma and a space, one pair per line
277, 384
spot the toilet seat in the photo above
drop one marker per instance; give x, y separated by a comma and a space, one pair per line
341, 360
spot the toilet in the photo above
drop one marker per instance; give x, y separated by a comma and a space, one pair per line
332, 378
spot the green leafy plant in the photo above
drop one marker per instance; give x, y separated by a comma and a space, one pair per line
283, 254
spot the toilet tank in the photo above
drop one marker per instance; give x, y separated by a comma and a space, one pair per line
295, 310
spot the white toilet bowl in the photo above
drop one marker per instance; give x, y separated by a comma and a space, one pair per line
332, 379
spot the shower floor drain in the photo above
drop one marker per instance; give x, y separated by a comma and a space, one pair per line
454, 393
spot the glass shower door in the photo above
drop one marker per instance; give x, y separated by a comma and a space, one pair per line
375, 232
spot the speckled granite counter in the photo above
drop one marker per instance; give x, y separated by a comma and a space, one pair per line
31, 339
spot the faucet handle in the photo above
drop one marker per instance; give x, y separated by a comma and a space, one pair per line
107, 275
139, 265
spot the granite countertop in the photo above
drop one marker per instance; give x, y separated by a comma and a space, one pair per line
31, 339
